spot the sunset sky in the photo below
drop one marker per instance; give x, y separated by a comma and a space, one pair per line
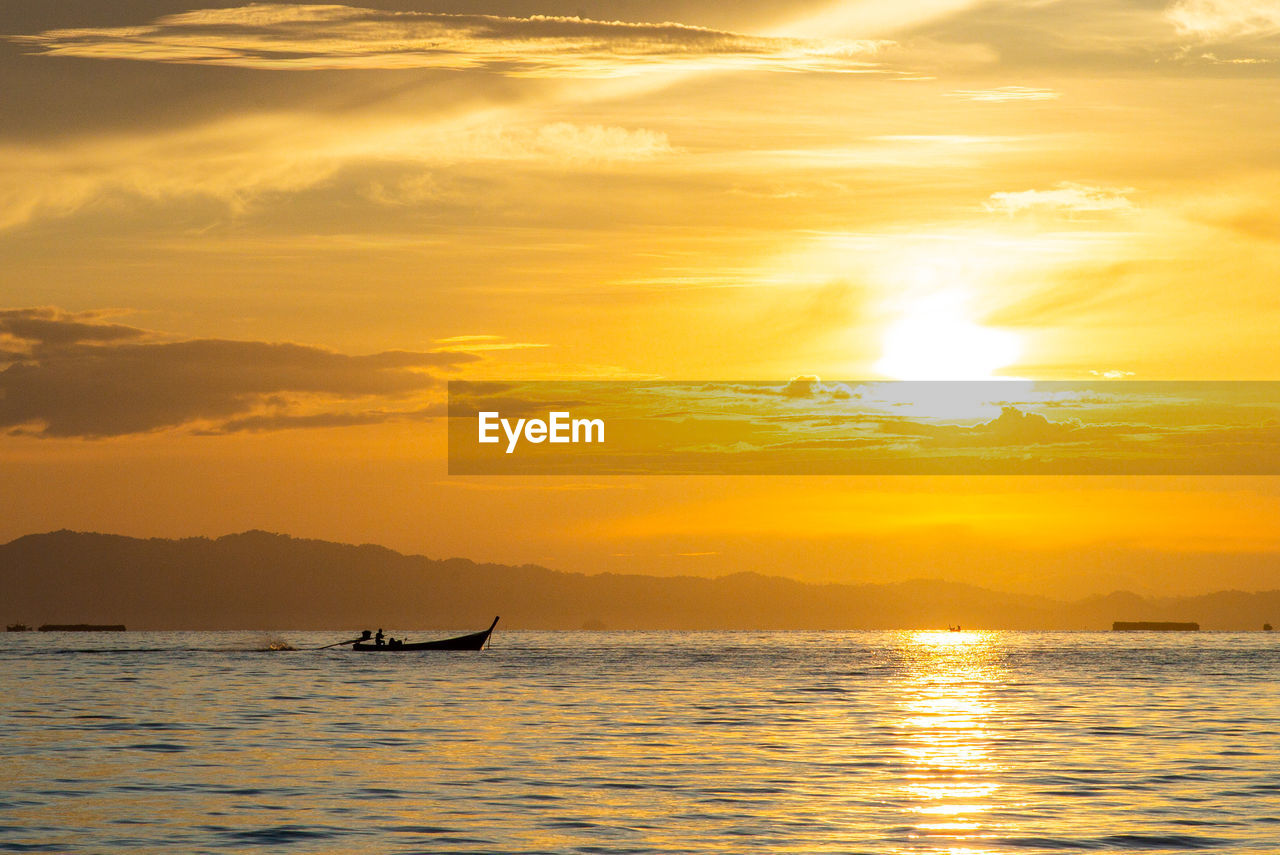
244, 246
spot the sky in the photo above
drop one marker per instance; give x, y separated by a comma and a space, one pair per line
244, 247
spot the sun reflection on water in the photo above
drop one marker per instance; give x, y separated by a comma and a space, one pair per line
946, 708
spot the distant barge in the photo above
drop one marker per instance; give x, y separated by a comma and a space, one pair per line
1154, 626
82, 627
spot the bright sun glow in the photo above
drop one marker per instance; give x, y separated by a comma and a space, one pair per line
936, 340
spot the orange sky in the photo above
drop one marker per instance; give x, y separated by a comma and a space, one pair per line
243, 246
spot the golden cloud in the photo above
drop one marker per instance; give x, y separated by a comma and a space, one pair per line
269, 36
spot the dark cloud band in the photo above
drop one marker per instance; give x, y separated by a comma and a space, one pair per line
74, 375
313, 37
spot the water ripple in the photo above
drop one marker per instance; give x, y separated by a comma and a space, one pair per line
688, 743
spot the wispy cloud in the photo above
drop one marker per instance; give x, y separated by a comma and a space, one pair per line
482, 343
1065, 197
74, 375
1225, 19
1240, 60
1005, 93
459, 339
236, 161
271, 36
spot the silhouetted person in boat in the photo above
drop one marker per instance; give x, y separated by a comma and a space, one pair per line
377, 639
365, 635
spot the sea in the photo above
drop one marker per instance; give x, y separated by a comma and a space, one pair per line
642, 742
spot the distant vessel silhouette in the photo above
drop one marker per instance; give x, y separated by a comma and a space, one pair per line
1154, 626
17, 627
82, 627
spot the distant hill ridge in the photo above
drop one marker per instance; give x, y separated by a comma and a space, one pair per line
260, 580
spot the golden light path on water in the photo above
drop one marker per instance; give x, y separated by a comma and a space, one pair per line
946, 709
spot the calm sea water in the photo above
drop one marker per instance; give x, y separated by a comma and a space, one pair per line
642, 742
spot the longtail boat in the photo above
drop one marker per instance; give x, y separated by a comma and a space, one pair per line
473, 641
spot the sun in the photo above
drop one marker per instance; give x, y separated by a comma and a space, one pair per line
935, 339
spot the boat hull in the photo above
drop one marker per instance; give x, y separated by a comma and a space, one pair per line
473, 641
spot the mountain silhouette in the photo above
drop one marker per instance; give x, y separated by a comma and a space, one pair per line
260, 580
